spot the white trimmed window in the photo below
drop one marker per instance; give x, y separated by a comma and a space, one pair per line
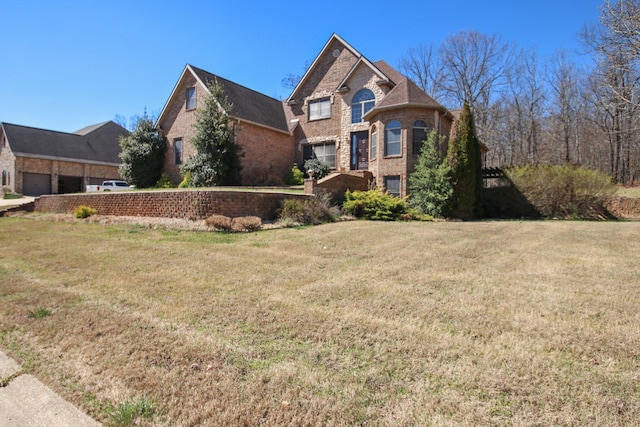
362, 102
374, 143
320, 109
325, 152
191, 98
393, 139
419, 135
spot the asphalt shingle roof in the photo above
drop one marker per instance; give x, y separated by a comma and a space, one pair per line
248, 104
98, 143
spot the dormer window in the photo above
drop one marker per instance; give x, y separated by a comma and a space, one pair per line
362, 102
191, 98
320, 109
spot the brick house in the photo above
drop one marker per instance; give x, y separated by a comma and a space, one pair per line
39, 161
360, 117
261, 127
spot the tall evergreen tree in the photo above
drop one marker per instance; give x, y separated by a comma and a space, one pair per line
430, 184
142, 154
217, 160
465, 159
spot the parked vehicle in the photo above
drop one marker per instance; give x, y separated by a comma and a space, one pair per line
113, 185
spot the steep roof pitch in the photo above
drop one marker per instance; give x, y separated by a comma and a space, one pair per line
248, 104
361, 60
94, 144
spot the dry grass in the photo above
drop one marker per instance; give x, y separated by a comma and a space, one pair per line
359, 323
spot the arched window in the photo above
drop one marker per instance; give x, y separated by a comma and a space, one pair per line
4, 177
393, 139
419, 135
362, 102
374, 143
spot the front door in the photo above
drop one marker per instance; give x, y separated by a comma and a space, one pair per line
360, 150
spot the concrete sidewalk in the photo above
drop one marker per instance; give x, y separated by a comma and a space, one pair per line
25, 401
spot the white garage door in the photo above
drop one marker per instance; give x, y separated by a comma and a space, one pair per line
36, 184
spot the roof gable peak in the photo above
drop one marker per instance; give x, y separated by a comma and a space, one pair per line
334, 38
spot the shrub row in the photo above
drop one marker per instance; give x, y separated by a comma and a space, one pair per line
242, 223
563, 191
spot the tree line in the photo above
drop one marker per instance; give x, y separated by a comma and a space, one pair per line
530, 110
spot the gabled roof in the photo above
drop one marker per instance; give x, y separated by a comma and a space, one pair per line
384, 78
248, 104
311, 69
98, 144
405, 94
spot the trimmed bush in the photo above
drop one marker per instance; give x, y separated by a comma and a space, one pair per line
564, 191
376, 205
295, 176
219, 222
246, 223
84, 212
319, 168
243, 223
165, 182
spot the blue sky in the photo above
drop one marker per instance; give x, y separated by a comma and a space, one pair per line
72, 63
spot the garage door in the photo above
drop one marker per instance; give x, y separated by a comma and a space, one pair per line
36, 184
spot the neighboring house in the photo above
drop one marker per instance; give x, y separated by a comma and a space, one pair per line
39, 161
261, 128
351, 113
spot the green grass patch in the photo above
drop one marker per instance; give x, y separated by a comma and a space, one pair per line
39, 313
129, 412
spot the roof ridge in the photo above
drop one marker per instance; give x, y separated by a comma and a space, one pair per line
235, 83
41, 129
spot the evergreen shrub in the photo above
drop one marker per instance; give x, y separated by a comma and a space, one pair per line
83, 211
295, 176
376, 205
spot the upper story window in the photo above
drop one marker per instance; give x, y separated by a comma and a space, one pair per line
374, 143
191, 98
393, 139
177, 151
320, 109
362, 102
419, 135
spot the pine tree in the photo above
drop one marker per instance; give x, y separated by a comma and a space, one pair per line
142, 154
217, 160
465, 158
430, 184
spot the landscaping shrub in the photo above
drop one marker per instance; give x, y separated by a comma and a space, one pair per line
246, 223
219, 222
317, 210
295, 176
430, 184
165, 182
84, 212
564, 191
319, 168
186, 181
376, 205
243, 223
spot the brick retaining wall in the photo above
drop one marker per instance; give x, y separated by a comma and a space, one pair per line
192, 205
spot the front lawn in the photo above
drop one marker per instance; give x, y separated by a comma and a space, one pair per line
357, 323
